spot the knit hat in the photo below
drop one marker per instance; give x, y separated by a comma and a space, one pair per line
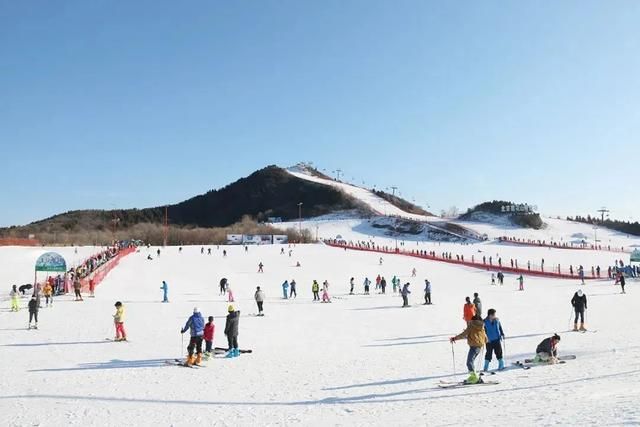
231, 309
195, 310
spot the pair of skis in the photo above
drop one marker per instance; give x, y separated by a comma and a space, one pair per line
530, 363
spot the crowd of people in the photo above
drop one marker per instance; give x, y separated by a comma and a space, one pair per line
560, 245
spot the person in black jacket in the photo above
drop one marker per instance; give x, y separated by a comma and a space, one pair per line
231, 331
33, 311
622, 282
579, 303
547, 350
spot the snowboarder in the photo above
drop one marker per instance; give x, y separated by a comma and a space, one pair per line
33, 311
579, 303
293, 293
285, 289
223, 286
352, 284
209, 330
468, 311
405, 295
47, 291
325, 292
547, 350
260, 268
195, 326
495, 335
259, 297
14, 298
476, 338
165, 291
427, 292
231, 331
118, 322
77, 286
478, 304
521, 283
315, 288
367, 282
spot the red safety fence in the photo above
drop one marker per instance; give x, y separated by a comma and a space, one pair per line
531, 269
99, 274
555, 245
15, 241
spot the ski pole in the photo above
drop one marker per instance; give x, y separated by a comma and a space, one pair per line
453, 356
181, 345
570, 317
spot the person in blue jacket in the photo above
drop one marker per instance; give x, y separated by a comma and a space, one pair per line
285, 289
195, 326
165, 291
495, 335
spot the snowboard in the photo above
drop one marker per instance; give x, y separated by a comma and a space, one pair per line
221, 350
461, 384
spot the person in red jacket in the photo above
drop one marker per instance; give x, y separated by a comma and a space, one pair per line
468, 311
209, 329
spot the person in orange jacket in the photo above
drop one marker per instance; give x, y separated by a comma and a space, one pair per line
468, 311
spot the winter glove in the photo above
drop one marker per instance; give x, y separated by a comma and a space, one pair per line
452, 340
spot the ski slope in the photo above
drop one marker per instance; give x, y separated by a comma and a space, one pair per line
359, 361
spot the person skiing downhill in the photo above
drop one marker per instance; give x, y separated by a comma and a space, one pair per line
14, 294
579, 303
493, 279
405, 295
476, 338
495, 335
547, 350
118, 322
231, 331
33, 311
414, 272
259, 297
315, 288
195, 326
427, 292
165, 291
468, 311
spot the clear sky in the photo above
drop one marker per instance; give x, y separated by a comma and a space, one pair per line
132, 104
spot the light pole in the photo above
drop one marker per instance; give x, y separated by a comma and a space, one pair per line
300, 219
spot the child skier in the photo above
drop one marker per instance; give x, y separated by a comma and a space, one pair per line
165, 291
325, 292
395, 282
495, 335
77, 286
468, 311
14, 294
195, 325
118, 321
352, 284
48, 294
229, 293
493, 279
476, 338
33, 311
427, 292
259, 297
405, 295
231, 331
209, 329
223, 286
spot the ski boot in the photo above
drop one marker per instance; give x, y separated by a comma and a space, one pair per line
236, 352
500, 364
190, 360
207, 355
198, 361
575, 327
474, 378
582, 328
35, 326
486, 366
231, 353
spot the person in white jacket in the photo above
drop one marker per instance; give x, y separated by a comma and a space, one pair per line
259, 297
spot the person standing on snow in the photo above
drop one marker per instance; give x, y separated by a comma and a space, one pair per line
521, 282
209, 330
33, 311
395, 282
14, 294
315, 288
223, 286
293, 293
547, 350
261, 268
622, 282
367, 282
229, 293
427, 292
195, 326
478, 304
383, 285
468, 311
285, 289
47, 291
231, 331
165, 291
405, 295
476, 338
495, 335
352, 284
259, 297
77, 286
325, 292
118, 322
579, 303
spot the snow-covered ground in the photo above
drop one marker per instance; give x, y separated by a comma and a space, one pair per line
359, 361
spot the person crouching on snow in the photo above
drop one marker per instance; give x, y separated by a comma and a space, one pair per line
547, 350
476, 338
195, 326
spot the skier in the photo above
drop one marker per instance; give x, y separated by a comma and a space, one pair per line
223, 286
547, 350
581, 274
378, 280
229, 293
478, 304
315, 288
468, 311
285, 289
325, 292
165, 291
500, 278
413, 272
380, 263
33, 311
259, 297
367, 282
383, 285
209, 330
118, 322
195, 326
495, 335
260, 268
14, 298
281, 251
224, 253
521, 282
622, 282
48, 294
579, 303
352, 284
427, 292
493, 279
231, 331
476, 338
405, 295
76, 289
208, 251
293, 293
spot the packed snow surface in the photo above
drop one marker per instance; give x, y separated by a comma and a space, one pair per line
358, 361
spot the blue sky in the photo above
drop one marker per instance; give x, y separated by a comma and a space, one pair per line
132, 104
